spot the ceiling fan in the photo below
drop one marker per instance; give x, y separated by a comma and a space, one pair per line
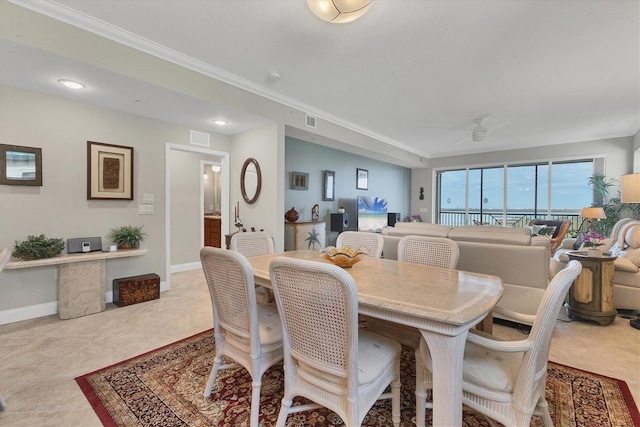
480, 129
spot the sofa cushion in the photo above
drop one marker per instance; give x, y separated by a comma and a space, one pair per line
491, 234
624, 264
418, 229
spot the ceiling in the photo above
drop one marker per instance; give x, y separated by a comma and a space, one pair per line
412, 74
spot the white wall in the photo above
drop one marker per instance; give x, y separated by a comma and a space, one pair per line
60, 207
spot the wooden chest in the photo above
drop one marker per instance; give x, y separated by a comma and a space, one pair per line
135, 289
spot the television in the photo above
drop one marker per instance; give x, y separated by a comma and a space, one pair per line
372, 213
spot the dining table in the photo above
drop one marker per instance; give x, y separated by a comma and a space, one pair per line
443, 304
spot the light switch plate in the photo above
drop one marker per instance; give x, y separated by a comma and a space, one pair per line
145, 209
147, 198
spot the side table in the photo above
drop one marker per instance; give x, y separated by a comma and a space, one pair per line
591, 295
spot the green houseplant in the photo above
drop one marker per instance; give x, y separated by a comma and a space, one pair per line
37, 247
127, 236
613, 208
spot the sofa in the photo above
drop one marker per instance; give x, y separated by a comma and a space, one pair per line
624, 243
521, 261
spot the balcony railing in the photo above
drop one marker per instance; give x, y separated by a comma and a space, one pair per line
512, 219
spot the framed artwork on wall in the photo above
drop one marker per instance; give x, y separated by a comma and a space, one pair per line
362, 179
109, 171
329, 186
299, 181
20, 165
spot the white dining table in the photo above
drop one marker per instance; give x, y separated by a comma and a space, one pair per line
442, 303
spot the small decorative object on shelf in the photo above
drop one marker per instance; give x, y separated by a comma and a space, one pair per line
344, 257
341, 209
315, 212
38, 247
127, 236
291, 215
312, 239
592, 240
239, 225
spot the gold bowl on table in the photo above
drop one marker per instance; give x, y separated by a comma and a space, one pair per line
344, 257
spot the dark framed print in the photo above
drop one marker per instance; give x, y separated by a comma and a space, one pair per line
362, 179
109, 171
20, 165
299, 181
329, 186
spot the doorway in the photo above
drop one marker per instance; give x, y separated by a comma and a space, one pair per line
191, 200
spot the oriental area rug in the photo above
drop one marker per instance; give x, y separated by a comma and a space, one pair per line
164, 388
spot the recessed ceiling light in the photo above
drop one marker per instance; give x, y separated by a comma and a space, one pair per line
71, 84
220, 122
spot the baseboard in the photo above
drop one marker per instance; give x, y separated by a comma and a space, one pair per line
47, 309
179, 268
29, 312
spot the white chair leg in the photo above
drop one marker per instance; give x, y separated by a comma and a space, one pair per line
212, 376
255, 403
284, 411
395, 397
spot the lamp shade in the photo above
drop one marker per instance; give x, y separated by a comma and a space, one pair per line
592, 213
339, 11
630, 188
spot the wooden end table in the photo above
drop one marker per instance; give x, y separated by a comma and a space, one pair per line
591, 295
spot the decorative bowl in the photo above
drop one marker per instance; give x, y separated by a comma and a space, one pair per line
344, 257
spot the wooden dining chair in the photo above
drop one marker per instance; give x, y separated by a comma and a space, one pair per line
371, 242
327, 359
434, 251
505, 380
253, 244
247, 332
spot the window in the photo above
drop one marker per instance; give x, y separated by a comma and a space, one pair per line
514, 194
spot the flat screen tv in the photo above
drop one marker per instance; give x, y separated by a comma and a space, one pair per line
372, 213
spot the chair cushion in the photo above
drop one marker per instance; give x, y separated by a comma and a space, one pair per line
375, 354
494, 370
269, 324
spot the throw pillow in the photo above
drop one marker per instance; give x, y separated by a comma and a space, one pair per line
632, 255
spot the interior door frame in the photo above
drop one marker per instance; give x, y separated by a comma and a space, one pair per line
224, 196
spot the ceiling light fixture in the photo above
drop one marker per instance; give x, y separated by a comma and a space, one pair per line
220, 122
215, 168
71, 84
339, 11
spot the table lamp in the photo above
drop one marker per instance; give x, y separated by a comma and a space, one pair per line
592, 213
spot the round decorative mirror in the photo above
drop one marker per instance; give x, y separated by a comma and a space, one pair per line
250, 180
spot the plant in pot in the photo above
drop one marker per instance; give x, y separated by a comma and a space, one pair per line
37, 247
592, 240
127, 236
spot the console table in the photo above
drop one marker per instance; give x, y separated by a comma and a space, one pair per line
591, 295
81, 279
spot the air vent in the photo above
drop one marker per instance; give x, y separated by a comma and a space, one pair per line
199, 138
311, 121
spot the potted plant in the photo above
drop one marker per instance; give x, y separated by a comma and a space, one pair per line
591, 241
127, 236
37, 247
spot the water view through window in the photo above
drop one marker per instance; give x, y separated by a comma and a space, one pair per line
514, 194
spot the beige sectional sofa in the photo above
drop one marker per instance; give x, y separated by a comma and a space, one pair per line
624, 243
521, 261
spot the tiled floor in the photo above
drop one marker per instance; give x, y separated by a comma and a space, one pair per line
40, 358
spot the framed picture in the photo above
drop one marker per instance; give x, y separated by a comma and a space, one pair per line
20, 165
299, 181
109, 171
362, 179
328, 189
